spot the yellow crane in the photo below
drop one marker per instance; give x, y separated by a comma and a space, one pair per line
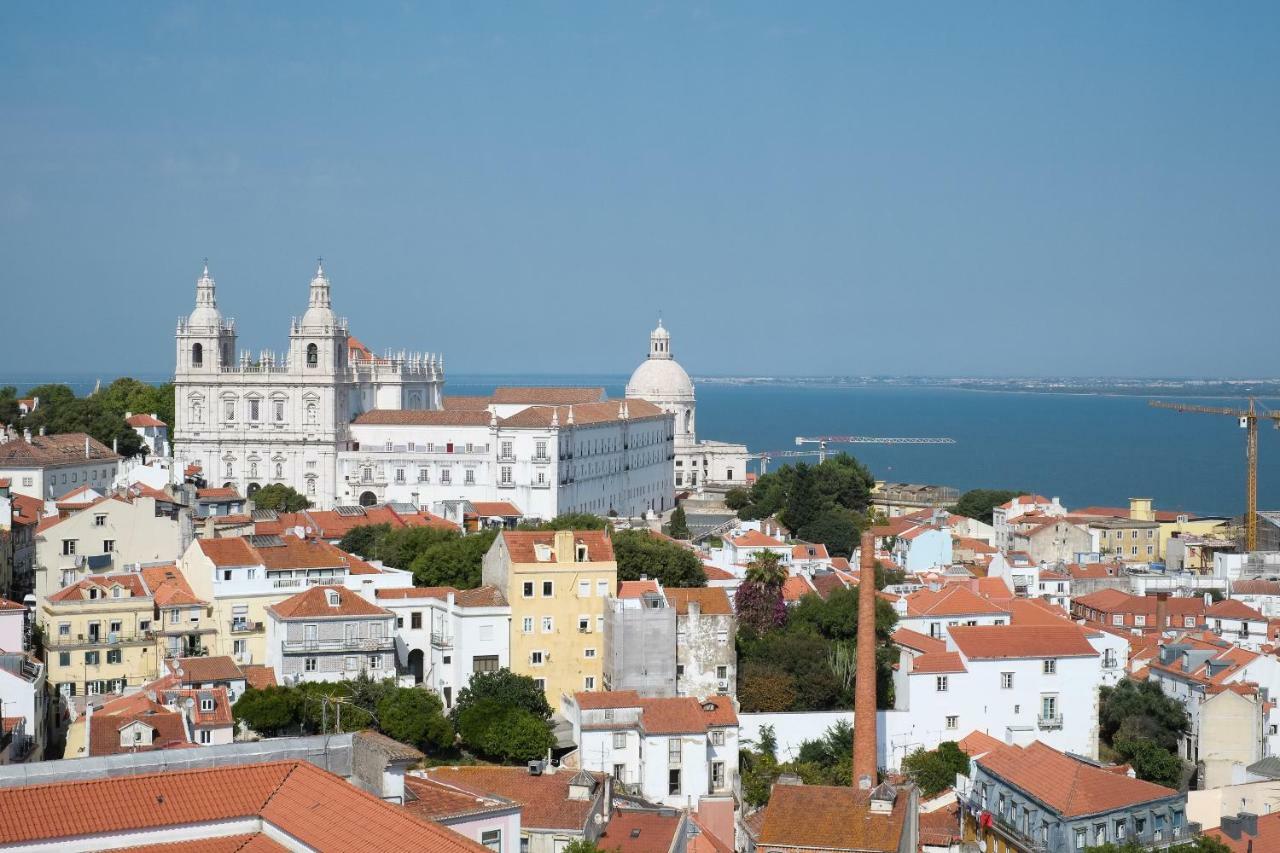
1248, 419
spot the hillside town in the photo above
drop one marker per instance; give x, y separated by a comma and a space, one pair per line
332, 607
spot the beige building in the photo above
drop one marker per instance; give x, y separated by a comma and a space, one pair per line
106, 536
1231, 735
98, 635
557, 584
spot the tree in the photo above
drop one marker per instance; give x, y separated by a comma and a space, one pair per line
835, 527
678, 527
1203, 844
979, 503
571, 521
759, 606
640, 554
582, 845
415, 716
889, 575
269, 711
1144, 712
935, 770
365, 540
1152, 762
455, 561
506, 689
763, 687
766, 568
504, 732
280, 497
737, 498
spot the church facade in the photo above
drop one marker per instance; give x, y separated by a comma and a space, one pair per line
698, 464
249, 422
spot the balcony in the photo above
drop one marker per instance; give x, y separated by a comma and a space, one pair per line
541, 457
441, 641
354, 644
245, 626
506, 484
90, 641
1049, 721
506, 457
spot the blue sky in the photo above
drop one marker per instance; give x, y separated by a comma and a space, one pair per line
1083, 188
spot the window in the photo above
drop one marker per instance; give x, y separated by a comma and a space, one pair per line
548, 589
99, 521
588, 653
506, 475
64, 658
717, 737
313, 355
527, 589
584, 624
91, 658
1189, 622
1139, 620
548, 625
484, 663
197, 355
953, 722
673, 781
446, 476
255, 409
206, 736
1006, 681
618, 771
1117, 619
68, 546
940, 684
536, 658
399, 475
108, 546
1100, 830
584, 589
935, 630
1050, 666
589, 683
1120, 827
228, 410
602, 588
673, 750
492, 838
717, 775
114, 655
351, 663
309, 664
1049, 706
415, 620
312, 411
722, 672
375, 661
526, 626
469, 476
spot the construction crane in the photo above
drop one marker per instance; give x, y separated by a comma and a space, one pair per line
823, 440
1248, 419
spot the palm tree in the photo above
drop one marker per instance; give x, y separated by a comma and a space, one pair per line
766, 569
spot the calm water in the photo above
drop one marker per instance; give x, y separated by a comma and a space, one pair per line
1084, 449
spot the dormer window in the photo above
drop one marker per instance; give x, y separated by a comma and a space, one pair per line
206, 705
581, 552
333, 598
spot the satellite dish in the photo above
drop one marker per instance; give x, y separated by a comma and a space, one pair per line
598, 818
190, 703
982, 845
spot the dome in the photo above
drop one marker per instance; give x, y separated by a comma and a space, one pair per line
206, 313
319, 310
660, 380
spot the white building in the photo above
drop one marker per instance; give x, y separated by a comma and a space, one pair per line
671, 751
1016, 683
605, 457
24, 720
48, 466
329, 633
661, 380
153, 432
935, 612
1238, 623
1003, 515
252, 421
445, 635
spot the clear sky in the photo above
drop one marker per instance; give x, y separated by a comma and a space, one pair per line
800, 188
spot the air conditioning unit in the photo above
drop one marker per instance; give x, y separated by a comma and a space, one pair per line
723, 685
535, 768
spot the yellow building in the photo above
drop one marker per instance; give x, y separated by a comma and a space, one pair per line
98, 635
1162, 524
557, 584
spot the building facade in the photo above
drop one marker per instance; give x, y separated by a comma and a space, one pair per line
253, 421
329, 633
48, 466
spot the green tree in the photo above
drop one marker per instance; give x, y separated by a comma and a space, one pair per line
269, 711
456, 561
763, 687
400, 548
365, 540
737, 498
506, 689
415, 716
280, 497
504, 732
1152, 762
836, 527
1203, 844
582, 845
1144, 712
571, 521
8, 405
935, 770
678, 527
979, 503
640, 554
766, 568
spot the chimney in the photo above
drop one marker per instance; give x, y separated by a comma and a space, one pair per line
864, 701
86, 447
26, 434
1162, 611
42, 431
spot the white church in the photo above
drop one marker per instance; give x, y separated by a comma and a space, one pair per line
345, 427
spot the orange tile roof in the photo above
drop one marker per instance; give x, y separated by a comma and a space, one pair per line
253, 843
931, 663
545, 799
482, 596
433, 800
548, 395
584, 414
635, 589
941, 827
715, 573
1266, 838
169, 731
169, 586
218, 494
1035, 611
998, 642
58, 449
807, 551
313, 603
754, 539
520, 544
831, 818
1070, 787
205, 670
424, 417
637, 831
465, 403
917, 641
976, 743
1229, 608
258, 675
144, 421
131, 581
597, 700
796, 587
714, 601
952, 600
504, 509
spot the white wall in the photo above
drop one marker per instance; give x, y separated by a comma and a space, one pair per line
790, 728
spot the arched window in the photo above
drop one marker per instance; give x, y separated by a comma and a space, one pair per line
688, 420
197, 355
313, 355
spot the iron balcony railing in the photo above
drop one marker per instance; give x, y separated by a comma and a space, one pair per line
98, 640
1049, 721
366, 644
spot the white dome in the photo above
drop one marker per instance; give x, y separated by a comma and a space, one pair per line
660, 380
319, 310
206, 313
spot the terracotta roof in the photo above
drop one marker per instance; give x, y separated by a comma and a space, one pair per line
168, 731
796, 587
977, 743
754, 539
917, 641
583, 414
424, 417
713, 601
292, 553
314, 603
465, 403
206, 670
1035, 611
1070, 787
826, 583
1117, 600
218, 717
61, 449
504, 509
1266, 838
597, 700
169, 586
6, 604
544, 799
826, 817
996, 642
254, 843
931, 663
685, 714
28, 508
556, 395
941, 827
258, 675
1229, 608
953, 600
635, 589
144, 421
807, 551
520, 544
142, 490
966, 543
640, 831
715, 573
218, 494
131, 581
433, 800
1255, 587
483, 596
80, 495
1123, 513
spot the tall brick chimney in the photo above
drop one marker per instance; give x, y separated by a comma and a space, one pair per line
1162, 611
864, 697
